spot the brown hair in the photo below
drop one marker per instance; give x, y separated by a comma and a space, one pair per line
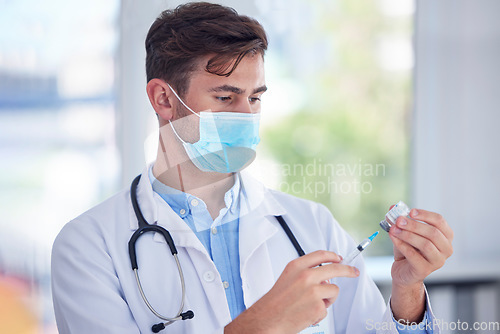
179, 38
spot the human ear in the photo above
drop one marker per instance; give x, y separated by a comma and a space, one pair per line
160, 96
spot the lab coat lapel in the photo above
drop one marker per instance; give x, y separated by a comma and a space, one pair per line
257, 225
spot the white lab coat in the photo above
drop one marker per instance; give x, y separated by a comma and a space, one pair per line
94, 288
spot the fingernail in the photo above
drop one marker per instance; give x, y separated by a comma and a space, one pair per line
415, 212
356, 270
397, 230
402, 221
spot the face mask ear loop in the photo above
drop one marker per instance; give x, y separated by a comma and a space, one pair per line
185, 105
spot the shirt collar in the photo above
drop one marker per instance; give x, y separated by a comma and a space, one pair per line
175, 198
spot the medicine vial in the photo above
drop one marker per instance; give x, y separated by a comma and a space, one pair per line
400, 209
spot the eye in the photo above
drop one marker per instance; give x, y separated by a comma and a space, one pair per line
254, 99
223, 98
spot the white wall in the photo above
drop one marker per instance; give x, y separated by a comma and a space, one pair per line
455, 154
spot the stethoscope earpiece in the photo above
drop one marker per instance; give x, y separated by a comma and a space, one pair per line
158, 327
187, 315
161, 326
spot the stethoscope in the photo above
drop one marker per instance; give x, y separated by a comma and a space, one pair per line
145, 227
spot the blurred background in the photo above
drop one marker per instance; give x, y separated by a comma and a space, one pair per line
369, 103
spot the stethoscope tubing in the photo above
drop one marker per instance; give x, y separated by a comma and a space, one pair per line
143, 295
145, 227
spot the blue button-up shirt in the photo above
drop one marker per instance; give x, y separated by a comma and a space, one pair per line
220, 237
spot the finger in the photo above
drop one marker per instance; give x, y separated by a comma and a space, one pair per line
427, 231
328, 301
315, 259
409, 252
434, 219
332, 270
423, 245
328, 292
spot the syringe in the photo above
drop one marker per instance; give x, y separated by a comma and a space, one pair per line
361, 247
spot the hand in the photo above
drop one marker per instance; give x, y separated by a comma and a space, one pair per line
419, 249
298, 299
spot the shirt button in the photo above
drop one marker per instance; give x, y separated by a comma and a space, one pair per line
214, 230
225, 284
194, 202
182, 211
209, 276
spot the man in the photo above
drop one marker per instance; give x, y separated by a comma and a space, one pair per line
241, 271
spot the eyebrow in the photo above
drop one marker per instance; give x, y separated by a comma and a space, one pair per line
237, 90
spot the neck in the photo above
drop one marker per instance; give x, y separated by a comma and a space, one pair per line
186, 177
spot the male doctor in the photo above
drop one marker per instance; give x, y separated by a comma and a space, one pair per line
242, 273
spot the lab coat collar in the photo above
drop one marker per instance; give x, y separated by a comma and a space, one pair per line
257, 198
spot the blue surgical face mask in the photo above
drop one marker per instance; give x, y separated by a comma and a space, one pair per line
227, 140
